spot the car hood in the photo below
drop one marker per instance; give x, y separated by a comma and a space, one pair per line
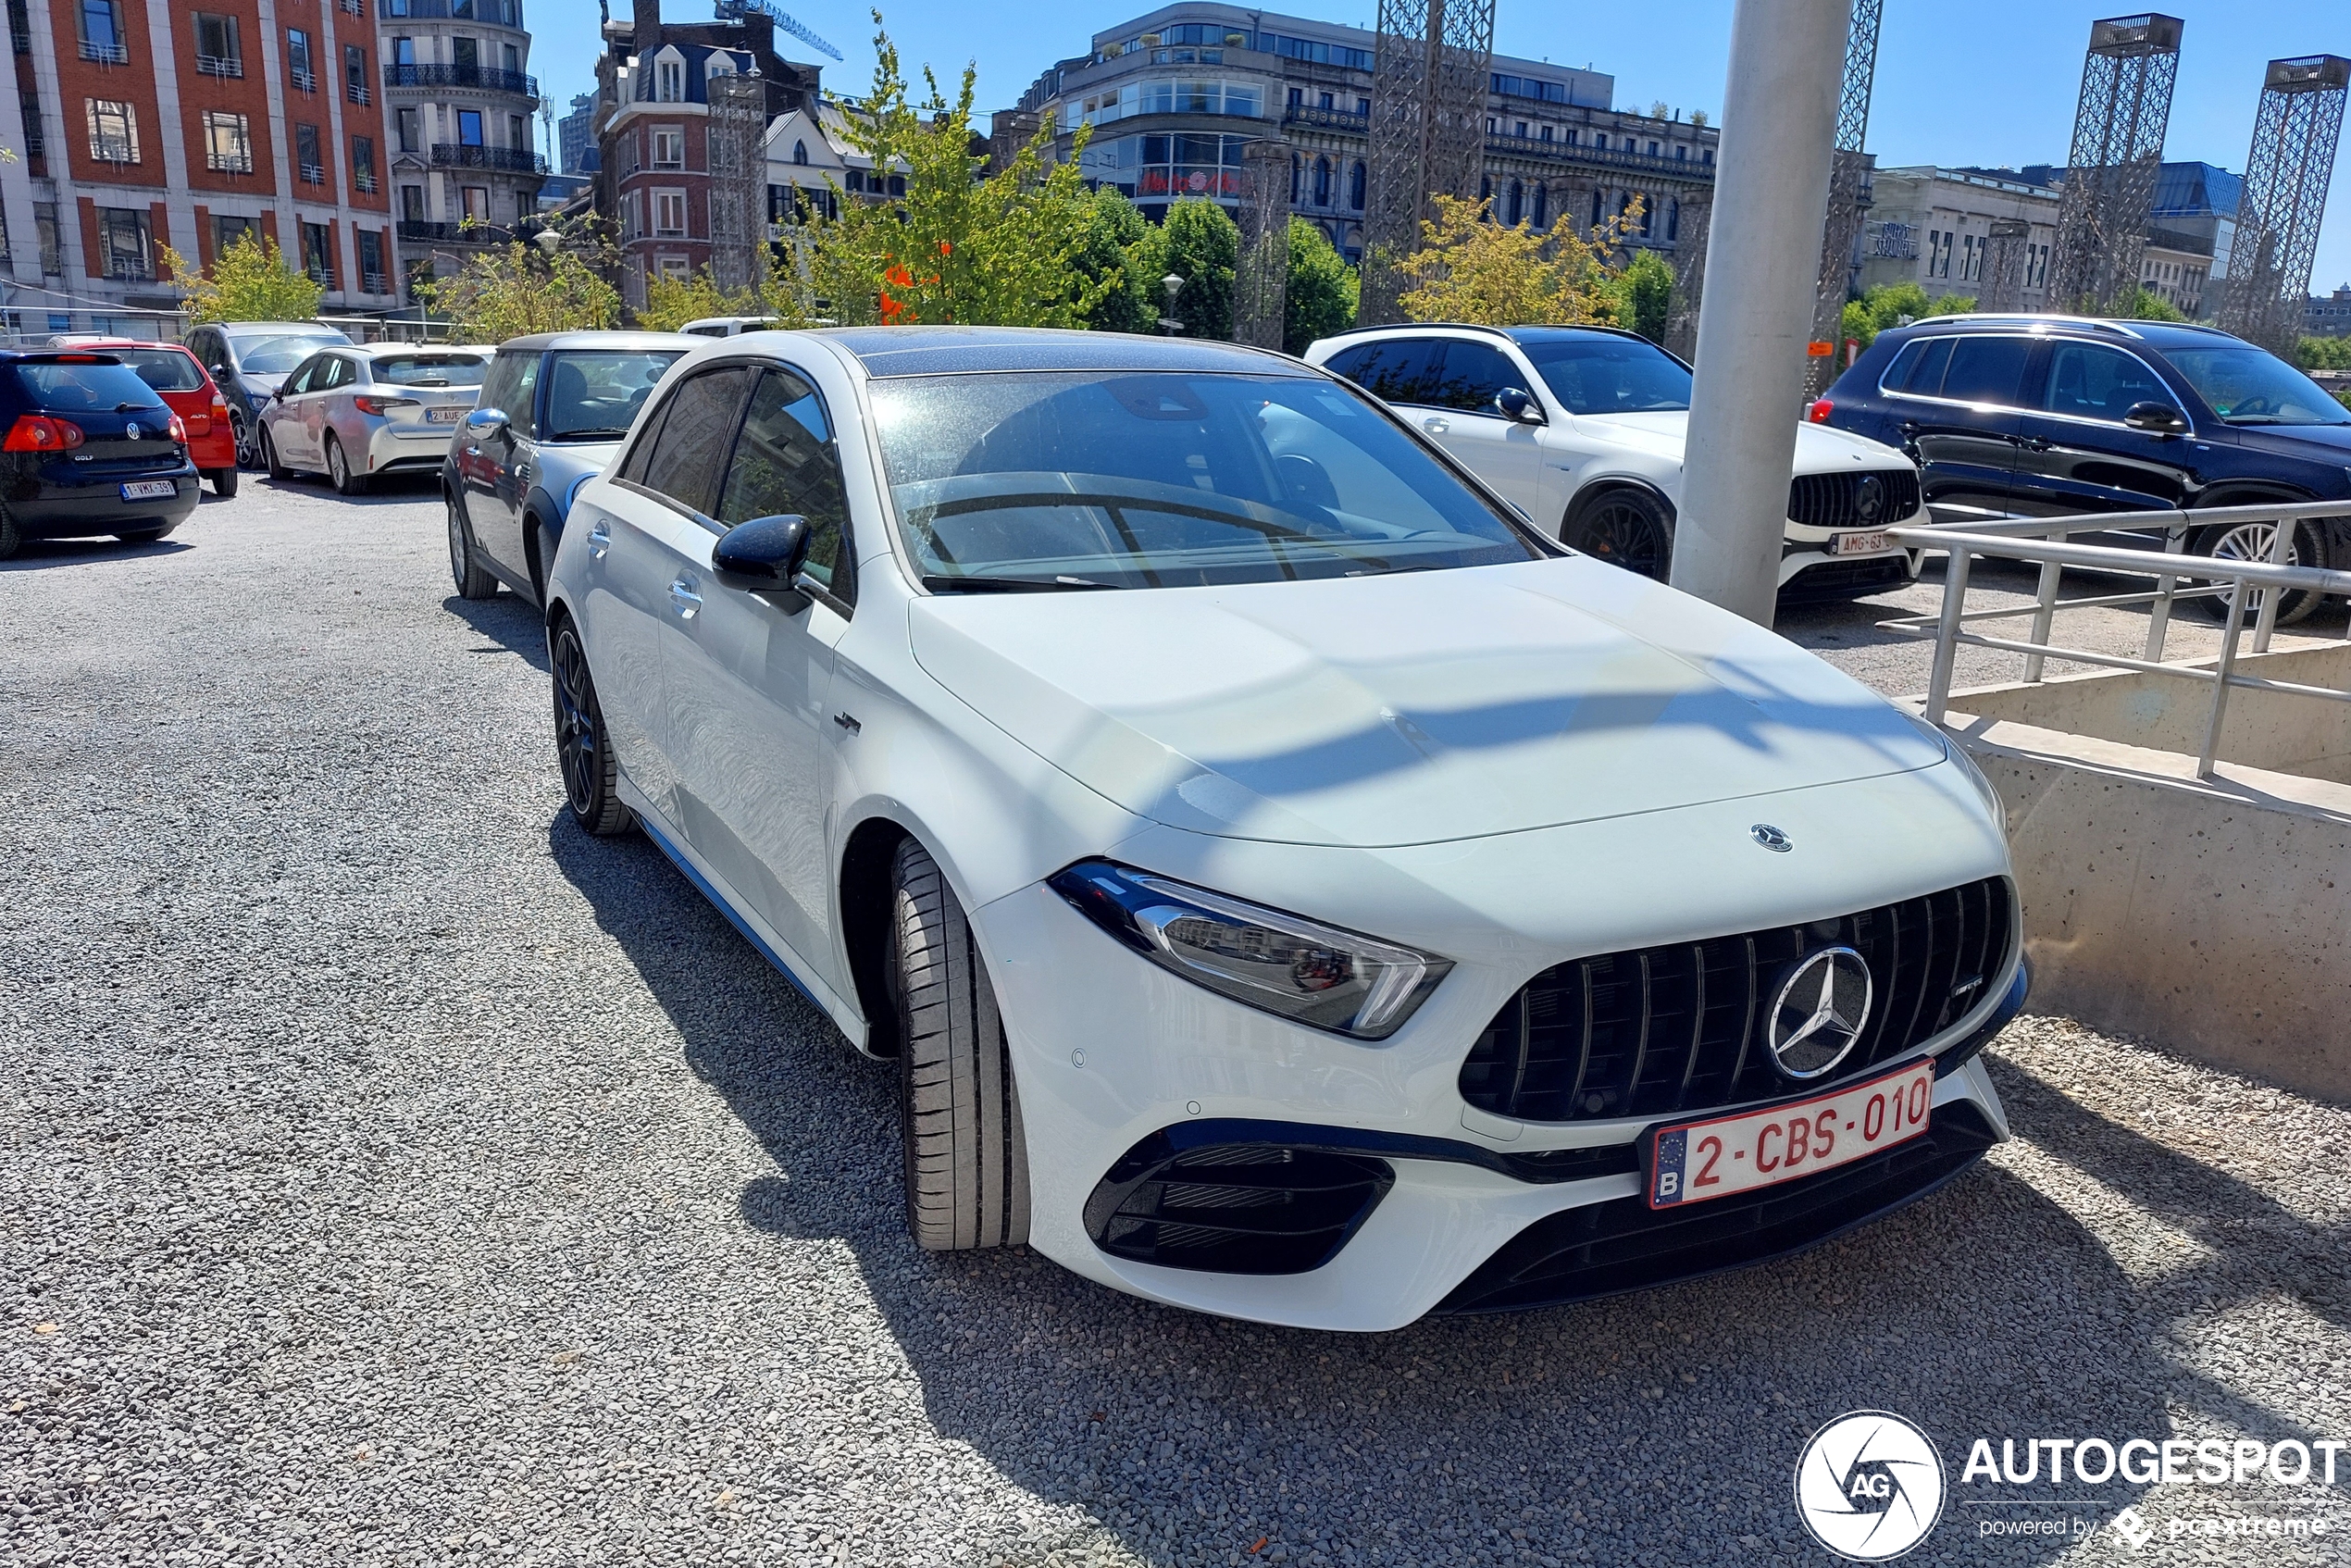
1820, 449
2318, 443
1410, 708
255, 380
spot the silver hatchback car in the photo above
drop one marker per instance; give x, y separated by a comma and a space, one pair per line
354, 412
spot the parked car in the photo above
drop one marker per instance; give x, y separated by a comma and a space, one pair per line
553, 411
2051, 416
188, 391
1581, 428
1290, 885
356, 413
730, 326
89, 450
248, 361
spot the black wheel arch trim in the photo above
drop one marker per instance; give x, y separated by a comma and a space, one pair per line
1593, 490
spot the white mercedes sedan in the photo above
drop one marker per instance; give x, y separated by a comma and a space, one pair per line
1290, 885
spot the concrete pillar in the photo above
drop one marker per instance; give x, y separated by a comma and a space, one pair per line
1771, 190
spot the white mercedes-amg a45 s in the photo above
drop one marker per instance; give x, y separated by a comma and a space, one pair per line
1290, 886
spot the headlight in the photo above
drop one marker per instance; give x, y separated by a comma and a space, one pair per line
258, 400
1313, 974
1956, 754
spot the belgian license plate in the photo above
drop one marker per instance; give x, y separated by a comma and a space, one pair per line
1871, 543
150, 490
443, 415
1692, 1162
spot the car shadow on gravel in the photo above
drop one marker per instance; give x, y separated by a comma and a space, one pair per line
38, 554
1662, 1425
510, 621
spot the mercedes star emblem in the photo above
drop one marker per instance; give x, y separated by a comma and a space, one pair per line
1869, 498
1771, 837
1816, 1018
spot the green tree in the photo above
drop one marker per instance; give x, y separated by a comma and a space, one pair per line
1644, 296
249, 281
1120, 250
517, 289
999, 249
1200, 244
2142, 303
670, 302
1885, 305
1951, 305
1322, 289
2323, 353
1471, 269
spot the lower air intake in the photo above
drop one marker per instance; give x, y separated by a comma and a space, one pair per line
1234, 1208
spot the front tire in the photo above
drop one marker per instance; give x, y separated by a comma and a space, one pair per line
346, 479
223, 482
965, 1160
590, 774
242, 428
1625, 527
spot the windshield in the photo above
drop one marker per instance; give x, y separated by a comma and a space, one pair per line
275, 355
432, 371
2248, 386
1610, 375
1099, 479
83, 387
166, 369
595, 397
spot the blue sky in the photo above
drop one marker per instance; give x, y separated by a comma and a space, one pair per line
1993, 83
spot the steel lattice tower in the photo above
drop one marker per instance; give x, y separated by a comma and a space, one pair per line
2118, 150
2004, 267
1429, 79
1848, 190
2295, 133
738, 130
1260, 279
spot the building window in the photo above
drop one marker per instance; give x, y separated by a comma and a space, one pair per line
469, 128
113, 131
526, 204
404, 51
800, 153
102, 36
518, 132
227, 143
309, 166
670, 146
227, 231
1514, 205
371, 261
124, 244
465, 55
1599, 140
1548, 130
1542, 206
299, 66
363, 163
28, 111
412, 203
319, 253
1297, 167
218, 51
677, 268
476, 198
1596, 209
669, 82
1322, 182
45, 223
1355, 180
354, 73
409, 128
669, 212
1672, 221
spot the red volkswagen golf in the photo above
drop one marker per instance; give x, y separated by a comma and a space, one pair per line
180, 380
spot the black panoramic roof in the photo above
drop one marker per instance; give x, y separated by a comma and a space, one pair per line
940, 351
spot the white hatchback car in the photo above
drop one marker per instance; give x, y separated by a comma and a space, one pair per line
1582, 428
1290, 886
354, 412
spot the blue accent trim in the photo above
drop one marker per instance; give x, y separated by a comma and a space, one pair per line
702, 884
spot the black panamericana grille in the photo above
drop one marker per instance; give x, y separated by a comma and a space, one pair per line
1234, 1208
1662, 1030
1835, 501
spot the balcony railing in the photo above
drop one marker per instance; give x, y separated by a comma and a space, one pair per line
1329, 120
314, 174
504, 13
353, 8
304, 78
105, 54
219, 64
364, 182
229, 163
416, 231
372, 283
1611, 157
322, 276
123, 269
458, 155
483, 77
356, 91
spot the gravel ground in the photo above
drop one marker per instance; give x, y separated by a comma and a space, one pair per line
401, 1179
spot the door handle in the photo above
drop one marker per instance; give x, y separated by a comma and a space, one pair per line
1437, 426
848, 722
599, 542
683, 599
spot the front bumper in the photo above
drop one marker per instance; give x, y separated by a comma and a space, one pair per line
1120, 1062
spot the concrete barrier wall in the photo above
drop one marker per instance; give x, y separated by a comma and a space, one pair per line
2212, 916
2272, 730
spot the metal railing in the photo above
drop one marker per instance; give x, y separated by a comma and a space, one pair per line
463, 155
304, 78
2243, 584
490, 79
220, 65
105, 54
419, 232
357, 91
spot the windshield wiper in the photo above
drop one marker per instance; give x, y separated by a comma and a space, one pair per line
961, 584
586, 435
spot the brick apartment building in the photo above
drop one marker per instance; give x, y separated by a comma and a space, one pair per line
146, 123
654, 107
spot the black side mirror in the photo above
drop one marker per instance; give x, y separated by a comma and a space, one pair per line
1517, 403
219, 372
763, 556
2160, 418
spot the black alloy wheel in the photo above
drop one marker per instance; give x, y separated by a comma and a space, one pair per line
248, 451
590, 774
1628, 528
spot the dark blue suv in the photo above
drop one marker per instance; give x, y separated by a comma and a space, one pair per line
2049, 416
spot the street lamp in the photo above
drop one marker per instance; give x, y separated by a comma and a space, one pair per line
1173, 283
548, 240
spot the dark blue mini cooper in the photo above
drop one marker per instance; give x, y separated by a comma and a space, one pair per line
2050, 416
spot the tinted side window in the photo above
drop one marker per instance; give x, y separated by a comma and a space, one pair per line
1398, 370
1986, 369
785, 462
2092, 381
685, 461
498, 387
524, 414
1926, 370
1473, 375
300, 381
